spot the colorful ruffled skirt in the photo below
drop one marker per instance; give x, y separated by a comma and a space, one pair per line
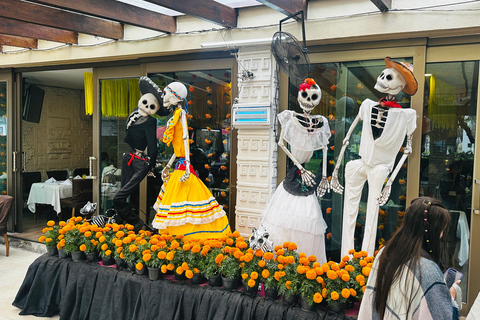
189, 208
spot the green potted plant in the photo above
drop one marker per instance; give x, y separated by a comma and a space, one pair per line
210, 265
51, 237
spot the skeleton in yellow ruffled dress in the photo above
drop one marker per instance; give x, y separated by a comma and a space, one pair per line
184, 205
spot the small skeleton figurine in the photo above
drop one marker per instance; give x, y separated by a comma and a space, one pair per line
140, 133
184, 204
385, 125
294, 213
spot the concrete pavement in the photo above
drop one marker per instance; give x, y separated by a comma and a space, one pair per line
12, 272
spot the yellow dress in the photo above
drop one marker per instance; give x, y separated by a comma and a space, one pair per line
187, 208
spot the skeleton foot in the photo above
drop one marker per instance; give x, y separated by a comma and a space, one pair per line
307, 177
323, 187
383, 198
335, 185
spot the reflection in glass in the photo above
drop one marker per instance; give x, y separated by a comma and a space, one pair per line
344, 87
448, 143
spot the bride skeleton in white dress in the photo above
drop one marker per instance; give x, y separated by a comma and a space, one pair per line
294, 214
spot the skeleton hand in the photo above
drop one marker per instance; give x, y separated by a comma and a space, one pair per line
384, 195
335, 184
151, 174
166, 173
407, 150
307, 177
323, 187
186, 175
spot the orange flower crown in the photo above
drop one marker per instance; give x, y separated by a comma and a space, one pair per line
307, 84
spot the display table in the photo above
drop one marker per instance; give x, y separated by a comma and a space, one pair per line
82, 290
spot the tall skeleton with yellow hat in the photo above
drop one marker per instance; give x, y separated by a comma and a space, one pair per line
385, 125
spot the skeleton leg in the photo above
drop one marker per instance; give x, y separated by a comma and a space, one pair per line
376, 178
355, 178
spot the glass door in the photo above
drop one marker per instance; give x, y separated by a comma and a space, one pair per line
448, 151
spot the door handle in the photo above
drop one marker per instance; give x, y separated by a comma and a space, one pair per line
90, 167
24, 161
14, 161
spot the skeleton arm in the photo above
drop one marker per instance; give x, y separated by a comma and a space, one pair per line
385, 194
335, 184
324, 186
166, 170
307, 176
186, 144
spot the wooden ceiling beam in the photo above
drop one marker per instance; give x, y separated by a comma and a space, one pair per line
117, 11
52, 17
30, 30
16, 41
287, 7
203, 9
383, 5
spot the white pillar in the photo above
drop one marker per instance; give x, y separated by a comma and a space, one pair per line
257, 148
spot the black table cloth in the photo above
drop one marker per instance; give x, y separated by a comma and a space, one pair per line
82, 290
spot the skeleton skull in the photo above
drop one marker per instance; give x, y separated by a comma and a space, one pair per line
258, 238
148, 105
309, 98
390, 81
173, 94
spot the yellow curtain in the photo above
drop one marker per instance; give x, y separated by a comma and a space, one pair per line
442, 106
88, 86
119, 97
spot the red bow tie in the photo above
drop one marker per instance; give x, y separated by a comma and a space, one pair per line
389, 104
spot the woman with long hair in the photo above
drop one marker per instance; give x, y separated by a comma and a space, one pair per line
406, 280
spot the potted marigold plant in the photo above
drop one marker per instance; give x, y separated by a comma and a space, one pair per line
229, 269
311, 281
289, 285
337, 286
50, 237
271, 274
106, 248
252, 267
90, 243
210, 266
193, 256
74, 239
359, 268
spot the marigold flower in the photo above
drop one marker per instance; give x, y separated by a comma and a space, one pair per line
62, 223
280, 252
285, 245
346, 277
317, 297
104, 247
189, 274
251, 283
288, 284
248, 257
244, 276
265, 273
301, 269
311, 274
360, 278
357, 255
259, 253
320, 280
51, 223
280, 266
78, 219
41, 239
353, 293
219, 258
335, 267
170, 266
334, 295
324, 292
174, 245
363, 289
281, 259
179, 270
366, 271
268, 256
119, 249
88, 234
261, 263
351, 251
83, 247
139, 266
345, 293
303, 261
108, 253
147, 257
60, 237
292, 246
163, 268
126, 240
170, 255
332, 275
290, 259
185, 266
254, 275
132, 248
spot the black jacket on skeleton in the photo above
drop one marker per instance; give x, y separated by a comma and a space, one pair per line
142, 134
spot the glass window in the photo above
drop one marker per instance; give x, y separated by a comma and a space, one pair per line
448, 143
208, 106
3, 138
344, 87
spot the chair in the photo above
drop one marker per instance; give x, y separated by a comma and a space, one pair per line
82, 192
29, 178
58, 174
5, 206
81, 171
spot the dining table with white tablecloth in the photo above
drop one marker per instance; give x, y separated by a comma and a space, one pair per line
49, 193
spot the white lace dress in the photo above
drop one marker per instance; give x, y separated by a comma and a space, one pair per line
295, 215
